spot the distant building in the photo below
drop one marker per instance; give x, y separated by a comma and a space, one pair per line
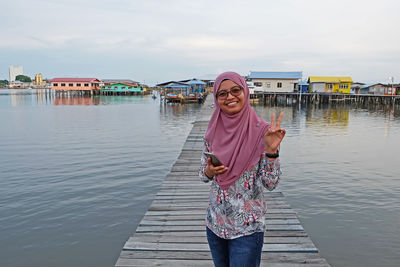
303, 87
122, 87
396, 89
209, 80
107, 82
197, 86
38, 81
356, 88
18, 85
392, 89
14, 71
251, 87
330, 84
38, 78
176, 87
186, 87
377, 89
75, 84
275, 81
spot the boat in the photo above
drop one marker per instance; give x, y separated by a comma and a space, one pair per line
172, 97
191, 98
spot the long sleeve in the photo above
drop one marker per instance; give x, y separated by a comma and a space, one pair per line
203, 166
269, 172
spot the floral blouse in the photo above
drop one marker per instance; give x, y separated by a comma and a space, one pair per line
240, 210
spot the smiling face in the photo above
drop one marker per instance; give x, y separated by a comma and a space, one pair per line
232, 104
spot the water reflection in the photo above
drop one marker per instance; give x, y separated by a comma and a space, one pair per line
335, 115
385, 110
174, 110
38, 97
120, 99
20, 97
313, 115
327, 116
75, 101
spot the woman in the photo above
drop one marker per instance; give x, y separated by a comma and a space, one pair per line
247, 146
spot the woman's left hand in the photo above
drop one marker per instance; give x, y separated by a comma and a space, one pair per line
274, 136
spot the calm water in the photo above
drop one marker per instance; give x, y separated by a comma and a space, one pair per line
341, 174
77, 175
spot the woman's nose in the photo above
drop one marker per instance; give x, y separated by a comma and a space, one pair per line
230, 96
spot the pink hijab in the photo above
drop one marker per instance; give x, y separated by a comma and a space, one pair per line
237, 140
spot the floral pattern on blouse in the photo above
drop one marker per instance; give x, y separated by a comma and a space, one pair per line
240, 210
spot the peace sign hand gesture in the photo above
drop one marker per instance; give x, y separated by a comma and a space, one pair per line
274, 136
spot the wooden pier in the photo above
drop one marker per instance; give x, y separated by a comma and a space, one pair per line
326, 98
75, 93
124, 93
172, 232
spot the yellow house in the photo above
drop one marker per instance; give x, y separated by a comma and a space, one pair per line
330, 84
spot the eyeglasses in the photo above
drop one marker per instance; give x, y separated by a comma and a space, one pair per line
235, 91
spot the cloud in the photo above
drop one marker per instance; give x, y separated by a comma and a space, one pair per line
181, 38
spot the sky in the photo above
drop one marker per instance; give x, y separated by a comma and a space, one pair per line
153, 41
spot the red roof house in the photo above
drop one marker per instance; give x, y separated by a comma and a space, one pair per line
75, 84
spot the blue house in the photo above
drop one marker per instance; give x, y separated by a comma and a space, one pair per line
197, 86
177, 87
303, 87
185, 87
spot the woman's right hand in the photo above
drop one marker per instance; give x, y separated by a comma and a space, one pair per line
212, 170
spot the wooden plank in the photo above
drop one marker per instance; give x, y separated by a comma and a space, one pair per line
194, 189
176, 193
183, 228
201, 205
186, 168
132, 245
203, 216
169, 196
162, 262
202, 232
203, 211
204, 198
187, 194
194, 202
269, 257
185, 173
202, 239
152, 222
197, 263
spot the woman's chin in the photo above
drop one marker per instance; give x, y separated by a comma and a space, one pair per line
231, 109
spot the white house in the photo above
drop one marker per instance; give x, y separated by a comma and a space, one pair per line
251, 87
14, 71
275, 81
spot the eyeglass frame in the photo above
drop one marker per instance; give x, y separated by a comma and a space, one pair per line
229, 92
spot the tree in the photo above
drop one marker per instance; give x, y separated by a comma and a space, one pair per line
3, 83
23, 78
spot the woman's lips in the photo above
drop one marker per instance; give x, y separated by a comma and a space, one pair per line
232, 103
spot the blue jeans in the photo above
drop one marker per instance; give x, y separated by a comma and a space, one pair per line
243, 251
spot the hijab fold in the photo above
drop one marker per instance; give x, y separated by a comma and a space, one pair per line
237, 140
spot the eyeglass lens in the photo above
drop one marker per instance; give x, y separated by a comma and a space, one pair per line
235, 91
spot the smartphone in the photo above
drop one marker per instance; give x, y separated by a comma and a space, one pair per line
214, 160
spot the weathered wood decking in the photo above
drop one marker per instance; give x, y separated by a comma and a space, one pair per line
172, 232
